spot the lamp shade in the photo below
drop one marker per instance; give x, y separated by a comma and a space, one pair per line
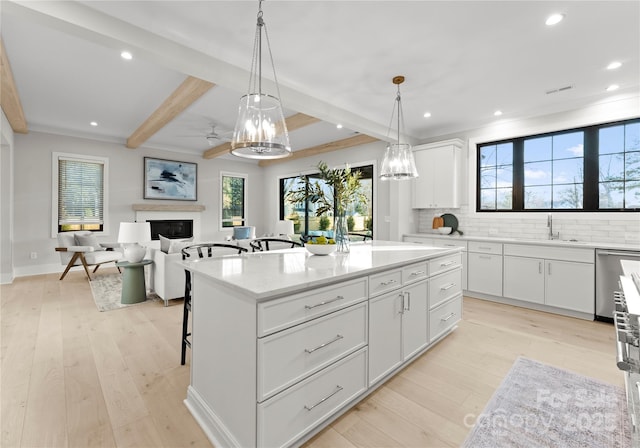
134, 232
284, 227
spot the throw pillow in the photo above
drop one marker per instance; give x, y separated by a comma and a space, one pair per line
165, 243
177, 245
87, 240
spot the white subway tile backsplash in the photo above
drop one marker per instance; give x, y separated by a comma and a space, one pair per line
534, 226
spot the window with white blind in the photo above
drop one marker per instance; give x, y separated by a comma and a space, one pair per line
80, 192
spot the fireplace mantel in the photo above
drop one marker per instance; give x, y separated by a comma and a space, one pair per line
168, 207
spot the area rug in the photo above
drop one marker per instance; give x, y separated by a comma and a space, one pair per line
107, 292
538, 405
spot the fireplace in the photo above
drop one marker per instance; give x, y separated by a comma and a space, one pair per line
171, 228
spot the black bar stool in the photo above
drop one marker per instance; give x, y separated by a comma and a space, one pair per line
262, 244
190, 252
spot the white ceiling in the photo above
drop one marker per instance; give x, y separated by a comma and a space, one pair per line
334, 60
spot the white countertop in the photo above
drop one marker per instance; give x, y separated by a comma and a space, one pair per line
564, 243
266, 275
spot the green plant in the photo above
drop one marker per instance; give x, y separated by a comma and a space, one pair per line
351, 223
324, 223
345, 191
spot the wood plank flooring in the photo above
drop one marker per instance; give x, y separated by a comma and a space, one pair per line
74, 377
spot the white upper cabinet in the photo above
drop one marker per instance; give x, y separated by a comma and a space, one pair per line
438, 184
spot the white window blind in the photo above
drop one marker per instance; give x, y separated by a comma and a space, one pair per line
80, 192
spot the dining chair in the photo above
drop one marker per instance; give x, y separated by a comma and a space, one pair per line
190, 253
262, 244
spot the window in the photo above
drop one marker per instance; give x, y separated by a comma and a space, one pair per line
587, 169
80, 192
234, 199
303, 215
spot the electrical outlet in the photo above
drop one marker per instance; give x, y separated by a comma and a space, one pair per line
33, 255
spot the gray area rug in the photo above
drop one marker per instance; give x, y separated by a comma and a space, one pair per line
107, 291
538, 405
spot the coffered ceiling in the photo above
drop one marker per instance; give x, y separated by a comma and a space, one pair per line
462, 60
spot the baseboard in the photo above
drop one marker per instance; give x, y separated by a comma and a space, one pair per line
6, 278
40, 269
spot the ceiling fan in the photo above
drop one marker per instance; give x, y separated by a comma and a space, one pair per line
215, 138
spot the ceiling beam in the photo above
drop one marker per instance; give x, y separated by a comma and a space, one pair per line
356, 140
9, 98
293, 122
190, 90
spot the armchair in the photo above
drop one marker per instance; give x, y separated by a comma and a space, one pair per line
83, 249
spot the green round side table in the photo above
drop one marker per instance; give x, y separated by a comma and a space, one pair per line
134, 289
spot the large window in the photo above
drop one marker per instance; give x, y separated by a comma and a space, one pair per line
587, 169
303, 215
234, 200
80, 192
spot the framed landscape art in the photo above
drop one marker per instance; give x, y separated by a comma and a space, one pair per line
170, 179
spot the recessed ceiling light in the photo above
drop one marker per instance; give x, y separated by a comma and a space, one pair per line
554, 19
94, 123
614, 65
126, 55
497, 113
427, 115
613, 87
339, 126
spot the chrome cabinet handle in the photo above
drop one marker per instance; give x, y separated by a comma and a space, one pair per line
449, 286
549, 268
336, 339
338, 389
485, 257
540, 267
324, 303
401, 303
448, 263
418, 273
390, 282
484, 247
408, 294
444, 319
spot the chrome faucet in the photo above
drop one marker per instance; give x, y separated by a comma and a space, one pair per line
552, 236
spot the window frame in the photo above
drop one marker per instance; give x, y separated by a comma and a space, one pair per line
55, 181
590, 203
245, 209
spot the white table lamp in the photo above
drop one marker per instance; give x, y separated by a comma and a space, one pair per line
130, 235
284, 228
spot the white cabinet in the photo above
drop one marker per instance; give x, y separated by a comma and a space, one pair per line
398, 328
484, 273
559, 277
438, 184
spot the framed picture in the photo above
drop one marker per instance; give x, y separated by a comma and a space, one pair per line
170, 179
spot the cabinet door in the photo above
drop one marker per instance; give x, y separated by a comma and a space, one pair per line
570, 285
415, 333
444, 177
385, 335
524, 278
485, 273
422, 186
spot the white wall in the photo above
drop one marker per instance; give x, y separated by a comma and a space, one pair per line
623, 228
6, 200
33, 183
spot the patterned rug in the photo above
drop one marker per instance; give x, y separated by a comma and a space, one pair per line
538, 405
107, 292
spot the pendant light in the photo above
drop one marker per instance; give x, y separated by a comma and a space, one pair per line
398, 162
261, 131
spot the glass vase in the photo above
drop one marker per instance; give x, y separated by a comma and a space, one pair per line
341, 233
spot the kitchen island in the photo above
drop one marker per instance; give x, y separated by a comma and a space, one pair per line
284, 341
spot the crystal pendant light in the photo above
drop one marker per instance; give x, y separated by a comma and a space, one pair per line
398, 162
261, 131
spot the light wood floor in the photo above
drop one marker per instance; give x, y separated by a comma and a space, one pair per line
72, 376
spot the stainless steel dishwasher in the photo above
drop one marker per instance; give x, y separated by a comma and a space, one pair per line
608, 272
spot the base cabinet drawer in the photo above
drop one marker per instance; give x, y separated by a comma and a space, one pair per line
444, 317
445, 263
444, 286
289, 415
287, 357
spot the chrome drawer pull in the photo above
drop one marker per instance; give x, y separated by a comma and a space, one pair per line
338, 389
485, 257
418, 273
484, 248
336, 339
324, 303
449, 286
390, 282
448, 263
444, 319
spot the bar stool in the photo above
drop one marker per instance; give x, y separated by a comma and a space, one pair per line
262, 244
191, 252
